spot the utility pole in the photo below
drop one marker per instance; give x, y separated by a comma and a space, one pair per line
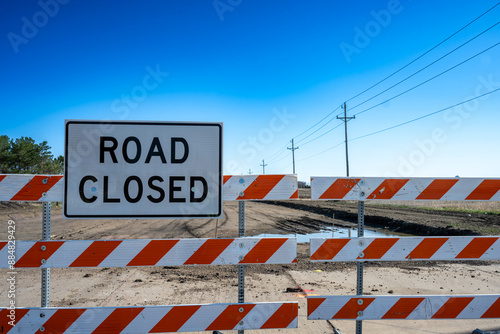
346, 119
250, 171
263, 167
293, 148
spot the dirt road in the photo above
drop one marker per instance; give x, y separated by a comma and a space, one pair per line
194, 285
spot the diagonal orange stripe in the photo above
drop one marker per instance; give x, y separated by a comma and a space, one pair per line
118, 320
351, 308
295, 194
35, 188
403, 308
485, 191
476, 248
339, 188
261, 186
153, 252
452, 308
378, 247
225, 178
329, 249
230, 317
387, 189
426, 248
2, 177
2, 244
175, 319
61, 320
209, 251
437, 189
4, 318
492, 312
95, 253
283, 316
263, 250
33, 257
313, 304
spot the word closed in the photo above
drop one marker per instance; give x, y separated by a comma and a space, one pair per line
143, 169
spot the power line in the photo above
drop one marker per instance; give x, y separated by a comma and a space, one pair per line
272, 158
279, 151
309, 135
425, 67
276, 161
423, 54
318, 122
318, 137
421, 117
283, 149
426, 81
331, 148
401, 124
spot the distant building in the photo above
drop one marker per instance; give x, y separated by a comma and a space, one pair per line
303, 184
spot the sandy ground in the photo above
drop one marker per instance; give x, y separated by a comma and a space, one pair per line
264, 283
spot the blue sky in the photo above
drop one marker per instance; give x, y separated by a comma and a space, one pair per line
269, 71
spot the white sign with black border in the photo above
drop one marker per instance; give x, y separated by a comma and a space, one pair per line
139, 169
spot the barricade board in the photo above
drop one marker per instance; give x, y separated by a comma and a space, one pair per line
260, 187
49, 188
405, 189
132, 169
151, 319
405, 249
147, 252
403, 307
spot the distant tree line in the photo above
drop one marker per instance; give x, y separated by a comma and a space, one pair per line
24, 156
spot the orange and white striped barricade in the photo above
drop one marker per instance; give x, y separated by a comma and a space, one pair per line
46, 254
31, 188
147, 252
405, 189
260, 187
151, 319
363, 249
49, 188
405, 249
403, 307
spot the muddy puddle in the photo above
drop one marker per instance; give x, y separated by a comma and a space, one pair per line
305, 228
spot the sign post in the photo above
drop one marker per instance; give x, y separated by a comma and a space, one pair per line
142, 170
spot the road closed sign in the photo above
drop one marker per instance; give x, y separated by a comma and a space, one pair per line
116, 169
